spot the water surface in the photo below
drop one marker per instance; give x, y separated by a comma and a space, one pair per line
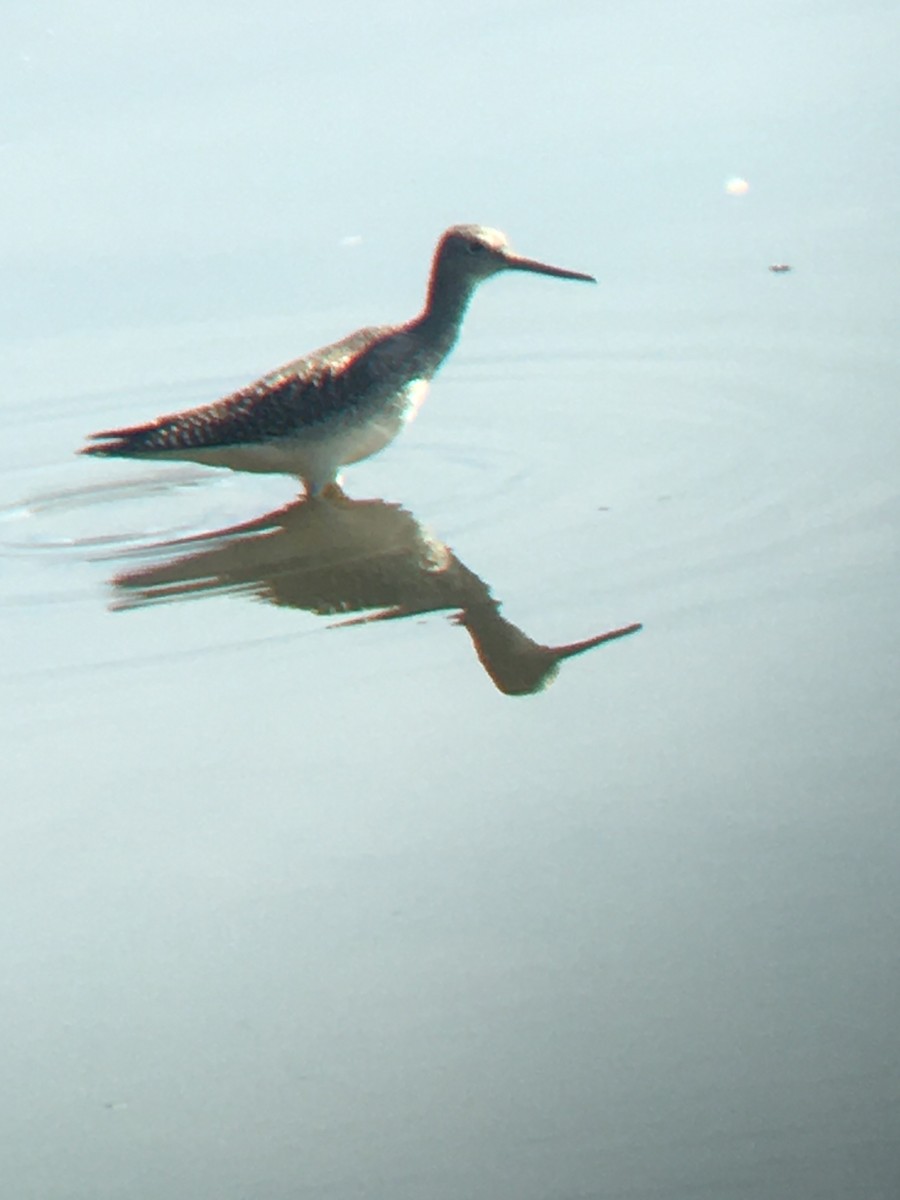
323, 874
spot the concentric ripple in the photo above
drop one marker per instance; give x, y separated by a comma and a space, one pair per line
137, 510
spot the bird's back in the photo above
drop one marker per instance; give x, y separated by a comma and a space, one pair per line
302, 397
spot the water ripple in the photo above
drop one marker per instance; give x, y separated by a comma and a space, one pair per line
52, 521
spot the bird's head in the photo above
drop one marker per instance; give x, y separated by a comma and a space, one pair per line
477, 252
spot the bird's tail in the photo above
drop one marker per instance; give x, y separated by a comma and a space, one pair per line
132, 442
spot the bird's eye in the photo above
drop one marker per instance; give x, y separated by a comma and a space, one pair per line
475, 247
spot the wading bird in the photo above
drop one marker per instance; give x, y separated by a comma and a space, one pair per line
344, 402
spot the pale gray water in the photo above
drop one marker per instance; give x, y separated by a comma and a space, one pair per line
291, 910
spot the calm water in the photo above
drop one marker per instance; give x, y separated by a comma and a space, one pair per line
325, 872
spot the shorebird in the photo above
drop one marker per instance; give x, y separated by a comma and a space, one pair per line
343, 402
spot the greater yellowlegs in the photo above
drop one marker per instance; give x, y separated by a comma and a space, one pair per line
343, 402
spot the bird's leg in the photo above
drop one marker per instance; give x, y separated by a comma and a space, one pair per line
326, 491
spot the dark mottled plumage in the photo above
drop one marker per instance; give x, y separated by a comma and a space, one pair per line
291, 400
343, 402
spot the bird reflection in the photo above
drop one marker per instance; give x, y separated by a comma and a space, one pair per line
340, 556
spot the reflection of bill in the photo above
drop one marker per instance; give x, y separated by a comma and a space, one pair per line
350, 556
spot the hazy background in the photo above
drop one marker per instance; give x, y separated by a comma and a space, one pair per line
295, 911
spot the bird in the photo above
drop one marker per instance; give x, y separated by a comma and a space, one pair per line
343, 402
780, 268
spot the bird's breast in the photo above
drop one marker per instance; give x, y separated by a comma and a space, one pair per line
412, 397
372, 428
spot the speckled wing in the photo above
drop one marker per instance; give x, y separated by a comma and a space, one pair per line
300, 397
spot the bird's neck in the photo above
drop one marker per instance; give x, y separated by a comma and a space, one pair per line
441, 319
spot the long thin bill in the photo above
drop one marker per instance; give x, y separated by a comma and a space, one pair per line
573, 648
517, 263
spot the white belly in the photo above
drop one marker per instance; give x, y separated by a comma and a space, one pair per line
368, 437
316, 457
